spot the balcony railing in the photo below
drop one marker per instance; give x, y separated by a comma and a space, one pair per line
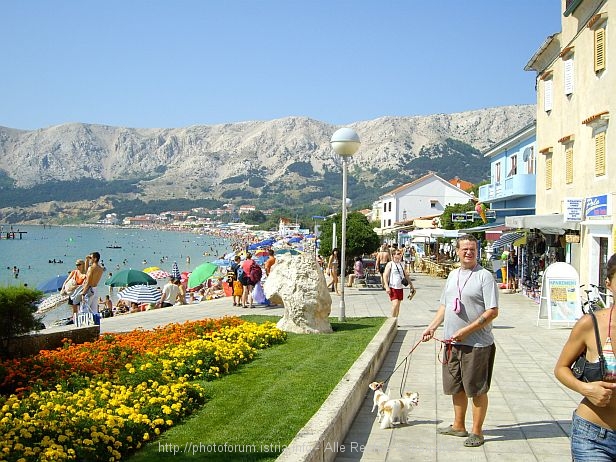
511, 188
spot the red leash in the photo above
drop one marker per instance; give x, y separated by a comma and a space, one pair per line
448, 345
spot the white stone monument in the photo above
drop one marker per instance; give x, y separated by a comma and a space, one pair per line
298, 283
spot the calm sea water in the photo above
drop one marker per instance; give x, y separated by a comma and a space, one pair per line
35, 252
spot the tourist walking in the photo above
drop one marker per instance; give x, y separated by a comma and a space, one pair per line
395, 280
468, 305
382, 258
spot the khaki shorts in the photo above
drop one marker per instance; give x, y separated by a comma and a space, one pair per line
468, 369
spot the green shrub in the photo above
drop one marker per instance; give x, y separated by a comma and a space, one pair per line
17, 308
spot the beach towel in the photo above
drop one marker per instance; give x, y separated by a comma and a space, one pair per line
258, 294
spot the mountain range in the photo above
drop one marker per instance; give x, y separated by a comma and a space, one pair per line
286, 161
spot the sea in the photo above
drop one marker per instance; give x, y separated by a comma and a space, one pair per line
44, 252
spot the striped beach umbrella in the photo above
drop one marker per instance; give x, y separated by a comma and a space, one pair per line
141, 294
175, 271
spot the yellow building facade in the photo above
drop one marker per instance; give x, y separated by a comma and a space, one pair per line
576, 164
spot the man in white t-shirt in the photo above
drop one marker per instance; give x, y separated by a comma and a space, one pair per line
170, 293
468, 305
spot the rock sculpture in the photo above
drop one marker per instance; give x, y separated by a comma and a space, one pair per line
298, 282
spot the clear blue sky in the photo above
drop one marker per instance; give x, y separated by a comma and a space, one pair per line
175, 63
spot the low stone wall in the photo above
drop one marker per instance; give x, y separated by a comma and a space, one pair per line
330, 424
50, 339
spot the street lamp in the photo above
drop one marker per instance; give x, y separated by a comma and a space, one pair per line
345, 142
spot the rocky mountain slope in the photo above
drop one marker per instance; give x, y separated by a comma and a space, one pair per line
250, 160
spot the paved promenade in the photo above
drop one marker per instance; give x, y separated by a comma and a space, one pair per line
530, 412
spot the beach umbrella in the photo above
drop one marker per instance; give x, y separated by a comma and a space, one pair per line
175, 271
293, 240
130, 277
51, 302
222, 262
156, 272
262, 259
201, 274
140, 294
52, 285
261, 253
288, 251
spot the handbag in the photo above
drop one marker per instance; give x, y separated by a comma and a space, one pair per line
77, 295
583, 369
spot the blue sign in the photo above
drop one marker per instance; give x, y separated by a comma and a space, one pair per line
596, 206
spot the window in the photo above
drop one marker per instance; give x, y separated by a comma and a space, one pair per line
600, 153
599, 50
384, 206
390, 206
529, 157
404, 214
569, 164
568, 65
389, 222
433, 204
547, 94
497, 172
548, 171
513, 160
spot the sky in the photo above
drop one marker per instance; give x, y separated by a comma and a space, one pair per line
177, 63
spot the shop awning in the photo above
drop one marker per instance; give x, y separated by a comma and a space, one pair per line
550, 224
506, 239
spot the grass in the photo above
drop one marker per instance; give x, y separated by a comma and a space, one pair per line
259, 409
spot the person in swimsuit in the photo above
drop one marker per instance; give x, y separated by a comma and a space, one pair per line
333, 266
593, 428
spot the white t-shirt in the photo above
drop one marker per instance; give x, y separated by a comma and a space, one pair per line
170, 292
479, 293
396, 273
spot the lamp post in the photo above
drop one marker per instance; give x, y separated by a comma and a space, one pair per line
345, 142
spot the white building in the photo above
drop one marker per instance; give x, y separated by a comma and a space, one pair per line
425, 197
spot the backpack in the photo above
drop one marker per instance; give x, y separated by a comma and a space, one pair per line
240, 274
255, 273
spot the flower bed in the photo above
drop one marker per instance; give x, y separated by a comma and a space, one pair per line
129, 389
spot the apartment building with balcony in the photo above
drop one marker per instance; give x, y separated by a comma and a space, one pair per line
512, 187
576, 148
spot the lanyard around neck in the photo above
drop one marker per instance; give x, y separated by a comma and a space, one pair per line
469, 276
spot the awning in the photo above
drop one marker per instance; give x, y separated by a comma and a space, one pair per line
550, 224
475, 229
506, 239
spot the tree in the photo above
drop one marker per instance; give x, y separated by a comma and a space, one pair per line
447, 222
361, 238
17, 308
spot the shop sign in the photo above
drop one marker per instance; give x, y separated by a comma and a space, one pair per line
596, 206
574, 209
458, 217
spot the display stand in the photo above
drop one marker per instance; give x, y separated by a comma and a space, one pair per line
560, 295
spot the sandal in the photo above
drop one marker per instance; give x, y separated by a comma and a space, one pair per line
451, 432
473, 441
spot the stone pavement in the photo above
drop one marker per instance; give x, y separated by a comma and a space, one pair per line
530, 412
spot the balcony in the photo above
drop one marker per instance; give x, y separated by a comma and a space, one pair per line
513, 187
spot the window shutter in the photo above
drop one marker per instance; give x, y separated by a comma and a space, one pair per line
547, 95
569, 165
548, 172
568, 76
599, 49
600, 154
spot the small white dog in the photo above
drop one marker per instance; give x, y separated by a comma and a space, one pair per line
397, 411
379, 398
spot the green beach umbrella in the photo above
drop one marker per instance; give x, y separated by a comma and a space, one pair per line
130, 277
201, 274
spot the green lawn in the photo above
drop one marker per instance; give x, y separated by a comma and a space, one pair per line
259, 409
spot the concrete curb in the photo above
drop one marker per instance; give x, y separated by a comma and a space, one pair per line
318, 440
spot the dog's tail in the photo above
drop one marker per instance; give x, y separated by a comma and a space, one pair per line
386, 421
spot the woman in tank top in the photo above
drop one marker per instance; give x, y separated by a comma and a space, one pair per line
593, 430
